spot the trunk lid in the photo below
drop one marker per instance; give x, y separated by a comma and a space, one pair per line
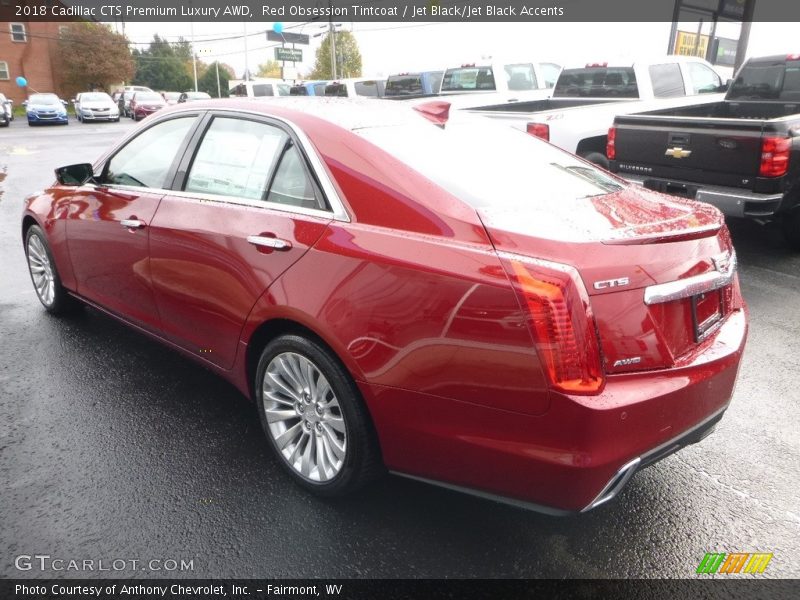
622, 244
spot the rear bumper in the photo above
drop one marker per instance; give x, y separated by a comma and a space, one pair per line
578, 455
733, 202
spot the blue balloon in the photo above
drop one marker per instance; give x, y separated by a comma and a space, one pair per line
21, 81
277, 27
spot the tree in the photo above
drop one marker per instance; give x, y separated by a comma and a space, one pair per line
348, 57
208, 82
162, 66
91, 55
271, 68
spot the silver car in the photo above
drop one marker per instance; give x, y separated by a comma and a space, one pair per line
95, 106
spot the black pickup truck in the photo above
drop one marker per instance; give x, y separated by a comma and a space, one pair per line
741, 154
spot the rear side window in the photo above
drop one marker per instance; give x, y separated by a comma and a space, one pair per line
146, 160
236, 158
262, 89
468, 78
292, 185
667, 80
298, 90
369, 88
319, 89
597, 82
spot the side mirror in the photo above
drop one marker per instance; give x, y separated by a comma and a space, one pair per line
74, 175
726, 86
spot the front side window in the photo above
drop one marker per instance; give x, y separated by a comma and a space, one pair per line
520, 77
262, 89
704, 79
236, 158
667, 80
146, 160
18, 32
550, 72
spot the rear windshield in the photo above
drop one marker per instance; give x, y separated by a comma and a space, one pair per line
404, 85
463, 159
369, 88
767, 81
597, 82
298, 90
336, 89
468, 78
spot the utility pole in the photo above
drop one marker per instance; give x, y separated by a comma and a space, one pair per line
332, 35
194, 54
246, 68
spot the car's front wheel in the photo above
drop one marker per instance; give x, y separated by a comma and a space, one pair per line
44, 274
314, 417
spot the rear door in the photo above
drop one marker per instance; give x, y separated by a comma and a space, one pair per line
108, 222
245, 208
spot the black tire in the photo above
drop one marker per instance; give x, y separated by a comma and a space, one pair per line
362, 460
790, 224
62, 302
598, 158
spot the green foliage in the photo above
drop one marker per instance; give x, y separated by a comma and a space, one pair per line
271, 68
163, 66
91, 55
208, 82
348, 57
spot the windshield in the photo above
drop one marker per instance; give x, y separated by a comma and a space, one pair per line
464, 159
597, 82
147, 97
403, 85
95, 97
172, 95
45, 99
767, 81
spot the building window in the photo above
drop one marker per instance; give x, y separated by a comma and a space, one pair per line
3, 69
18, 33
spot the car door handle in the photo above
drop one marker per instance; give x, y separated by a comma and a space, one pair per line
132, 223
269, 242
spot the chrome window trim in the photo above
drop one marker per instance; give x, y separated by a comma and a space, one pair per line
691, 286
337, 212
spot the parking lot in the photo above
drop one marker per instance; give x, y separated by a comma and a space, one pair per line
112, 446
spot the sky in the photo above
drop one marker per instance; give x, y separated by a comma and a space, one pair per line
388, 48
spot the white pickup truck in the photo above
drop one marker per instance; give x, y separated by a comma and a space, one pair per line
498, 81
585, 100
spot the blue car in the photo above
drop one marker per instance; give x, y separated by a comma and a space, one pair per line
308, 88
46, 108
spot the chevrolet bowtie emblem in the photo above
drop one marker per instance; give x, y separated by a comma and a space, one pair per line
677, 152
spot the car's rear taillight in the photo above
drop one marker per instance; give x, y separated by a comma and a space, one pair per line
561, 322
540, 130
774, 156
611, 144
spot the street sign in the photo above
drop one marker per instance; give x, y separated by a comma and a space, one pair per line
289, 38
290, 54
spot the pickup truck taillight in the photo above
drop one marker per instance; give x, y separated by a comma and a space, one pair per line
774, 156
540, 130
560, 320
611, 147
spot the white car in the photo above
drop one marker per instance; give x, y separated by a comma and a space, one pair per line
356, 86
259, 87
95, 106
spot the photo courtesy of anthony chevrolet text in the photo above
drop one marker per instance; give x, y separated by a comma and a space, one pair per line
399, 299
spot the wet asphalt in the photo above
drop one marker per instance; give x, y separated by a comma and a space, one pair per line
113, 447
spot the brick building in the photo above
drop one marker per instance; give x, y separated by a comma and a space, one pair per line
27, 49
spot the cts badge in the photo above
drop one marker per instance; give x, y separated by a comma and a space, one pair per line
611, 283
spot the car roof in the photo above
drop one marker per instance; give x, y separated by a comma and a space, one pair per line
348, 113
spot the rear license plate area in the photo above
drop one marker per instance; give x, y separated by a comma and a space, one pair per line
674, 189
707, 312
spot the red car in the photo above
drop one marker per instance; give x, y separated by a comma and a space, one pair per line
144, 104
453, 301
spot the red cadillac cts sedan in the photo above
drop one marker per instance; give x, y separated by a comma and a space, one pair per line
448, 299
144, 104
